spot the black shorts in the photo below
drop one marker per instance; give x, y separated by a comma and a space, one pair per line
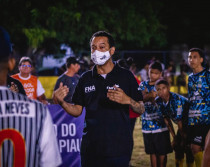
197, 134
157, 143
180, 149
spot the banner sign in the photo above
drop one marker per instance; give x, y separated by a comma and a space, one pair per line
68, 130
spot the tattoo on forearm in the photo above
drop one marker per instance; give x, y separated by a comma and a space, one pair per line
137, 107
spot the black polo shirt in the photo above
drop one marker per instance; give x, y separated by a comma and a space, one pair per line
106, 129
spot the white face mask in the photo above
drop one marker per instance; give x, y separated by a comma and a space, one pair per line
100, 58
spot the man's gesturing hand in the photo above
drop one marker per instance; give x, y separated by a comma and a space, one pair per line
60, 93
118, 95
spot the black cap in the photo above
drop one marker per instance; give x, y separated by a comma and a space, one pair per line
71, 60
5, 44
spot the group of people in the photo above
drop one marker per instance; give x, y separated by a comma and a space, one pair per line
191, 115
109, 93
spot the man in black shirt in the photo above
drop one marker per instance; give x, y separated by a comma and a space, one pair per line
106, 92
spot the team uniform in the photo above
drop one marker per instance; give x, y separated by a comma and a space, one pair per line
199, 112
70, 82
177, 110
27, 137
107, 136
153, 127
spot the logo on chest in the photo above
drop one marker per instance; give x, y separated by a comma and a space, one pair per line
112, 87
90, 89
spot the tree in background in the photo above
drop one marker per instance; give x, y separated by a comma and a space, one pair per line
36, 26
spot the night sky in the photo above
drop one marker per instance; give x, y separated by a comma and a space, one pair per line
187, 22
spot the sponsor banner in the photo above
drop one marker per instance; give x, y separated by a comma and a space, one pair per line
68, 130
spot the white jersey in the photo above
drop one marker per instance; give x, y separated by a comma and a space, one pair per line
27, 137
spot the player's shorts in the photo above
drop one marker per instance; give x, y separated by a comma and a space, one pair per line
181, 148
197, 134
157, 143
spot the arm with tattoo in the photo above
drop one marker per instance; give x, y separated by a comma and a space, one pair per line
137, 107
119, 96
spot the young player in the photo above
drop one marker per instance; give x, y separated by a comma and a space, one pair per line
153, 126
175, 107
199, 98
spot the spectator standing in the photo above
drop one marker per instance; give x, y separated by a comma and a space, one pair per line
144, 72
171, 63
184, 67
31, 84
168, 74
26, 125
70, 77
173, 71
182, 81
106, 92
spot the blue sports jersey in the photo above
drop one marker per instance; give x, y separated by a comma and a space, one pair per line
199, 97
176, 108
152, 119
